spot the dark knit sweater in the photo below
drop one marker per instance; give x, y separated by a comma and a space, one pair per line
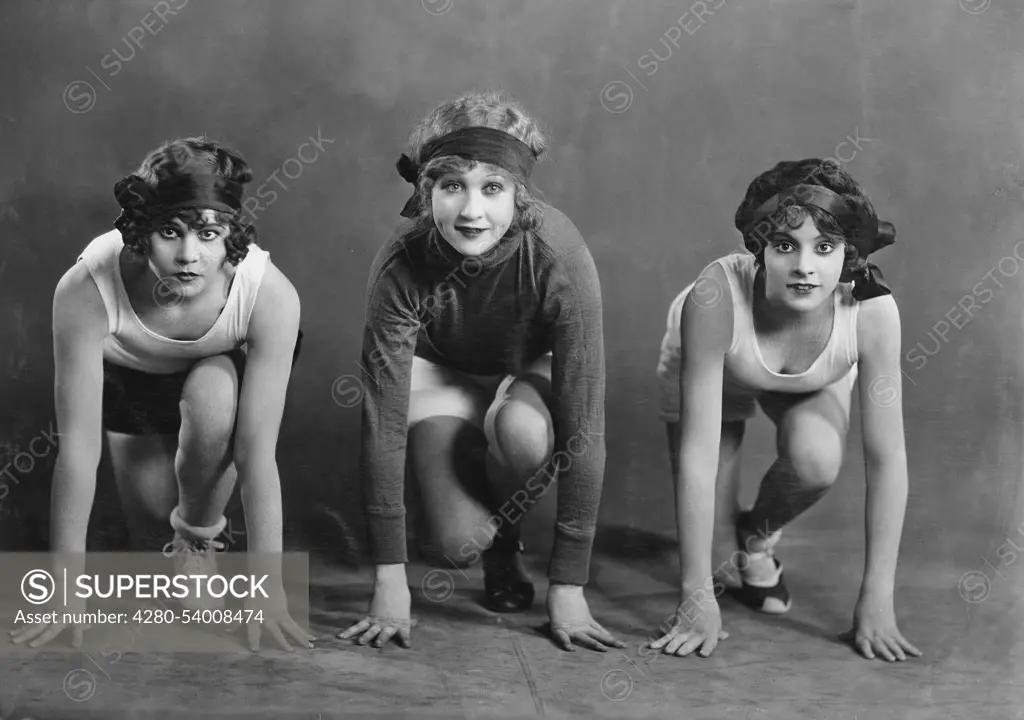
534, 293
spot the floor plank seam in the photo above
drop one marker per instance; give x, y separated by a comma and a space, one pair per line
521, 657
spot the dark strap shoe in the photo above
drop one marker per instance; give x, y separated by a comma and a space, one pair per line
505, 590
768, 594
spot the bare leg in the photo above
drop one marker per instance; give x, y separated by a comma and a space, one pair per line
447, 457
811, 437
446, 454
524, 439
471, 469
469, 498
148, 490
203, 464
188, 478
204, 469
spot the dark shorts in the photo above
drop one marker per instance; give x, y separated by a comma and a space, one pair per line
140, 403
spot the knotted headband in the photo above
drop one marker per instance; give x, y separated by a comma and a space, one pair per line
864, 232
190, 191
135, 196
480, 144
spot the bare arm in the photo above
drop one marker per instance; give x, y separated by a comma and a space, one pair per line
79, 328
705, 335
885, 456
273, 330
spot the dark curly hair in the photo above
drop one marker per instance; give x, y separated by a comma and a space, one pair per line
175, 159
476, 109
810, 171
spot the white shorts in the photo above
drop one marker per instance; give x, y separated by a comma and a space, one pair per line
735, 405
436, 390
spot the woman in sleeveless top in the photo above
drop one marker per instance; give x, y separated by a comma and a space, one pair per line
176, 335
484, 361
789, 327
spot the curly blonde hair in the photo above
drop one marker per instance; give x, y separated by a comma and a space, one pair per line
476, 109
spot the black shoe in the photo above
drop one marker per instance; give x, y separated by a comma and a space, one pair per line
505, 591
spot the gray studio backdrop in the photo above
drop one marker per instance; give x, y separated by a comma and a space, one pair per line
659, 114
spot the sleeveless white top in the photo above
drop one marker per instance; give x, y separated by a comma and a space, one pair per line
745, 372
131, 344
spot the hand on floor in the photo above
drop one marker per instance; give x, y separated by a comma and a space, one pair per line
695, 624
874, 632
390, 614
275, 621
37, 635
571, 620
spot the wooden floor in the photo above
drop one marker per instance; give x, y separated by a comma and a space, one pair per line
468, 663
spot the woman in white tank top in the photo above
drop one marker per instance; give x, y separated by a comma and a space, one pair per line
176, 335
789, 327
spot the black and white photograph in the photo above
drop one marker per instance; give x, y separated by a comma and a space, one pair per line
512, 358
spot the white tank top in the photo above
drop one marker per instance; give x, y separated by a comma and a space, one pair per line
745, 371
133, 345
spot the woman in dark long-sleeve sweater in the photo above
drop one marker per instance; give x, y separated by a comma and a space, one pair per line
483, 356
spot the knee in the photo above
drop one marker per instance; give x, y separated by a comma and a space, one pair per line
524, 435
814, 452
461, 547
209, 398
